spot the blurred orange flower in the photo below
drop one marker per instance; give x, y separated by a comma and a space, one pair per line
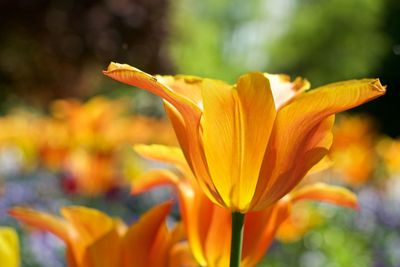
353, 149
94, 239
208, 225
301, 220
251, 143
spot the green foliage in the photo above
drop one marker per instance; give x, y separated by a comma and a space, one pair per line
334, 244
331, 40
204, 36
321, 40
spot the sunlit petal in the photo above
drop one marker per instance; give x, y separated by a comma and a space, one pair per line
166, 154
82, 218
234, 142
260, 228
42, 221
283, 89
90, 237
141, 236
190, 141
188, 86
327, 193
302, 120
135, 77
153, 179
109, 244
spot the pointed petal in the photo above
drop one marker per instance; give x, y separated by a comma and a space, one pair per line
260, 228
42, 221
314, 148
135, 77
138, 243
165, 154
194, 207
184, 112
327, 193
104, 251
234, 140
9, 247
301, 123
152, 179
90, 224
218, 237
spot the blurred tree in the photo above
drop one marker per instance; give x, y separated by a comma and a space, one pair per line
331, 40
57, 48
321, 40
204, 39
324, 41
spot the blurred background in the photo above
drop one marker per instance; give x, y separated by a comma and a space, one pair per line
66, 130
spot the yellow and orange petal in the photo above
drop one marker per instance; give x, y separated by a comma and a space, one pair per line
219, 134
209, 238
94, 239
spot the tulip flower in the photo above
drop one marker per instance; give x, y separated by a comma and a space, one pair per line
249, 144
94, 239
208, 225
9, 247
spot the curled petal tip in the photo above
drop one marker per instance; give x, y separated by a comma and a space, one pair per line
378, 86
117, 66
114, 67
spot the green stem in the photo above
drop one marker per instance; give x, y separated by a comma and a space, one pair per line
237, 238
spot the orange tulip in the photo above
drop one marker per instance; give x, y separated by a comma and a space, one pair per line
251, 143
208, 225
94, 239
87, 142
353, 150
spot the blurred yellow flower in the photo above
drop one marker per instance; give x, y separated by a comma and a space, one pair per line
208, 225
94, 239
9, 247
251, 143
389, 150
19, 136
